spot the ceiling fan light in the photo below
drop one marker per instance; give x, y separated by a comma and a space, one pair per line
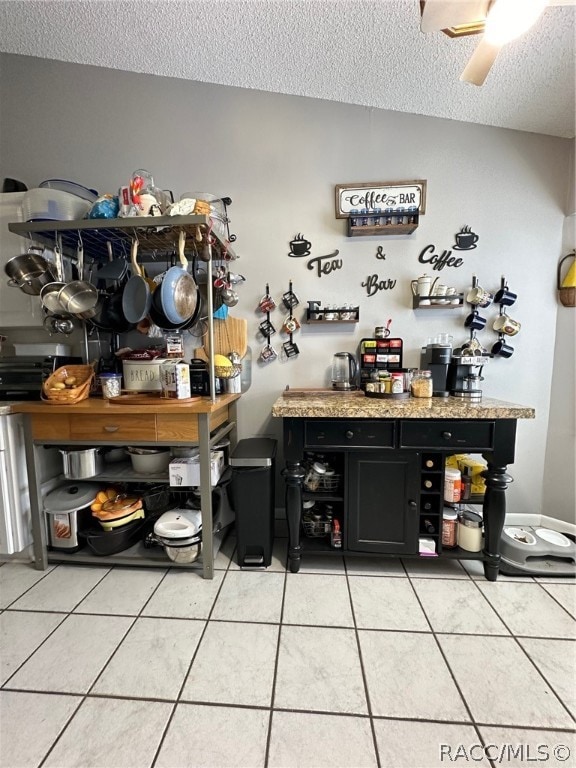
508, 19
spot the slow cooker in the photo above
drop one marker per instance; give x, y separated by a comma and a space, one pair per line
179, 531
67, 511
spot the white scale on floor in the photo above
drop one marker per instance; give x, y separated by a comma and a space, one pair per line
536, 552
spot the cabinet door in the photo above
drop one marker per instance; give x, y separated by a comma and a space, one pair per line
16, 307
382, 508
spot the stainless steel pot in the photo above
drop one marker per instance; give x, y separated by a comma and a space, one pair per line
79, 297
29, 271
79, 465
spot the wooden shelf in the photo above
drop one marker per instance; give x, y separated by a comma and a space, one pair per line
417, 305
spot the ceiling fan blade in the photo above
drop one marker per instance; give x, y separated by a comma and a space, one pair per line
442, 14
480, 63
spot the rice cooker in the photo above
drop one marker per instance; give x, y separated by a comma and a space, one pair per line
179, 531
67, 511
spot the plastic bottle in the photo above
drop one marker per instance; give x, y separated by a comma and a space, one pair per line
452, 485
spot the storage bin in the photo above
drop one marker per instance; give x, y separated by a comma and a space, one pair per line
142, 375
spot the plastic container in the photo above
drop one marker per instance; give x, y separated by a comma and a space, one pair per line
452, 485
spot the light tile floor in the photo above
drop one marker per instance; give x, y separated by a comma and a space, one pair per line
352, 662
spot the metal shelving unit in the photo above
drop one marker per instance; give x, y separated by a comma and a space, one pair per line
157, 235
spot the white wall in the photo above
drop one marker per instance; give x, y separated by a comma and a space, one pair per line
279, 157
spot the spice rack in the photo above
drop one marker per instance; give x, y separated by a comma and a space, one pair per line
389, 223
315, 313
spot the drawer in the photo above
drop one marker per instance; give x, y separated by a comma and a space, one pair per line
428, 433
350, 433
50, 427
176, 428
122, 427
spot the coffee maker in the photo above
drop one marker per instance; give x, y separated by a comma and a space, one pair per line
435, 357
465, 375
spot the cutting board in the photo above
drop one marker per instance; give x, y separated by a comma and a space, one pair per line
230, 335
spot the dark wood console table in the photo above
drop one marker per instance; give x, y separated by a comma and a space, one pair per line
389, 455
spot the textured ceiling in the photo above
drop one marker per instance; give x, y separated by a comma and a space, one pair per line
369, 53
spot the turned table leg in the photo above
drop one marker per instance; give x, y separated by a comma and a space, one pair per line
293, 477
494, 513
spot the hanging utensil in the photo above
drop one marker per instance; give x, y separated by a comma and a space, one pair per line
79, 297
50, 292
114, 269
137, 297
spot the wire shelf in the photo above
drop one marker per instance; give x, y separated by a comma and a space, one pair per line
157, 235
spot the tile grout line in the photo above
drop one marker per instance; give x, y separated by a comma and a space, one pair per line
362, 669
86, 694
185, 678
275, 675
527, 655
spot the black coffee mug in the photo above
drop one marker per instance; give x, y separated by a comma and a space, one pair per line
475, 321
501, 349
505, 297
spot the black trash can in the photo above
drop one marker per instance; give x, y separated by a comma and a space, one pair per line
253, 480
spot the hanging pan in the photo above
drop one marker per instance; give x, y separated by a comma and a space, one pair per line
49, 293
137, 297
178, 291
79, 297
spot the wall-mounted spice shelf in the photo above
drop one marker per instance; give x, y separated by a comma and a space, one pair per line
330, 315
438, 302
377, 230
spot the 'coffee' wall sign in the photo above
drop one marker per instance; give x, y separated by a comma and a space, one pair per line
380, 195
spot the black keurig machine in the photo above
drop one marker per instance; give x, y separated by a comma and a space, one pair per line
436, 359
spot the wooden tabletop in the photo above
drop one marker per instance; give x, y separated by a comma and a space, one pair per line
97, 405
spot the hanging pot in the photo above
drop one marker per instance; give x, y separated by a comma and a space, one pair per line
50, 292
79, 297
178, 291
30, 271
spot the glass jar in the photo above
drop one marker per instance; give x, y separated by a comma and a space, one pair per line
449, 529
470, 531
421, 384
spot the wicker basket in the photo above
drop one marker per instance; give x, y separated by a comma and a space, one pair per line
227, 371
84, 375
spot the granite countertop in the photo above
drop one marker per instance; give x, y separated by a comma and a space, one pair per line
355, 405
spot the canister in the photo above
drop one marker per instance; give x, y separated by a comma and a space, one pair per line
452, 485
469, 531
449, 529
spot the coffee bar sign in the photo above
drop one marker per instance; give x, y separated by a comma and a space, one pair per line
387, 196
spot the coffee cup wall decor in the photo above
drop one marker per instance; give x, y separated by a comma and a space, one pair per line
466, 239
299, 246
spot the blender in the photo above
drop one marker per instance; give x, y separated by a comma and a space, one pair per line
343, 371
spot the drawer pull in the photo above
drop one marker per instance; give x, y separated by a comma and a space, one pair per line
447, 435
349, 434
111, 429
412, 504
